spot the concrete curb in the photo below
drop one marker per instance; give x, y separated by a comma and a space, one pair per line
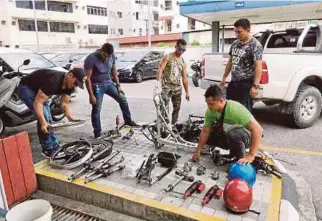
289, 207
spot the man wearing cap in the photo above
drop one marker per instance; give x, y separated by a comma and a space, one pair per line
36, 88
99, 66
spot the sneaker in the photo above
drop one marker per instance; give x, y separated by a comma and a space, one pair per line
97, 136
132, 124
47, 153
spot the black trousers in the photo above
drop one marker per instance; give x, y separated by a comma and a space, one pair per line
240, 91
235, 140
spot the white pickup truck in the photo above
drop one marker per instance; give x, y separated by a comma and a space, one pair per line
291, 76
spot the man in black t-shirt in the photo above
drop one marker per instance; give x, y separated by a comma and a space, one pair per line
36, 88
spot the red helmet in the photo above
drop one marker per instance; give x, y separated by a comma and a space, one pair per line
238, 195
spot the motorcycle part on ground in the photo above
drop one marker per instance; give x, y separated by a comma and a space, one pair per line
160, 177
215, 175
214, 191
183, 176
246, 172
144, 173
187, 166
260, 164
197, 186
105, 173
72, 155
105, 163
220, 159
101, 150
201, 170
238, 196
167, 159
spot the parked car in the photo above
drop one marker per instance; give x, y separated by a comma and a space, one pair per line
65, 60
80, 63
291, 72
138, 65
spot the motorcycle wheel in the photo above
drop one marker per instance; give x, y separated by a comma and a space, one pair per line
2, 126
196, 79
56, 112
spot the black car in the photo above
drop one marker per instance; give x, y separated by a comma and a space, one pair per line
138, 65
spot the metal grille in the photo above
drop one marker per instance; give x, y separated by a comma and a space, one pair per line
64, 214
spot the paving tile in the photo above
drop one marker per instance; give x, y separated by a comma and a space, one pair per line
129, 189
248, 219
207, 211
172, 200
140, 192
221, 214
187, 202
195, 207
120, 186
233, 217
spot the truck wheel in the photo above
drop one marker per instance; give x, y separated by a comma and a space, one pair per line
307, 106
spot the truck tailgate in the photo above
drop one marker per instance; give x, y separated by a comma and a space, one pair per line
215, 64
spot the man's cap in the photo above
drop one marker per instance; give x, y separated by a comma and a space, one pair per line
79, 73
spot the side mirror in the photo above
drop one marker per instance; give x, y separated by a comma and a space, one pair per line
26, 62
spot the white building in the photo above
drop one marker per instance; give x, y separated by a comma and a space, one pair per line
70, 24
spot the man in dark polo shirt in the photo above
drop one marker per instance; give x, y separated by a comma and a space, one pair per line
36, 88
99, 66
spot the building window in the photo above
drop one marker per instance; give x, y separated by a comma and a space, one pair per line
13, 23
119, 14
62, 27
76, 7
191, 24
137, 1
169, 25
98, 29
40, 4
155, 3
99, 11
178, 25
168, 5
112, 31
29, 25
155, 17
140, 31
78, 26
137, 15
3, 22
121, 31
178, 3
60, 6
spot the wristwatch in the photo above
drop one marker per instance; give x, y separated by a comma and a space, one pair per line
256, 86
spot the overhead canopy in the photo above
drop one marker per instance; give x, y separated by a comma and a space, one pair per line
227, 12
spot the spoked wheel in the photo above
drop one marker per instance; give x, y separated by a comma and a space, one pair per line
101, 148
72, 155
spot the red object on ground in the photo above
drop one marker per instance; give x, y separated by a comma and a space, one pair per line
238, 195
17, 168
196, 186
214, 191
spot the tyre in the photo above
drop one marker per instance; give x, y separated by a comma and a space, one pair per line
306, 106
196, 79
2, 126
56, 111
138, 77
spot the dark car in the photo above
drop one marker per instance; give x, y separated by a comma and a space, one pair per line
65, 60
138, 65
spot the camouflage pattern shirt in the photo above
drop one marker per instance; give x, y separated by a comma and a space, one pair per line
172, 73
244, 57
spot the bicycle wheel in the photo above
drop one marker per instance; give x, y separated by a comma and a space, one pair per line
72, 155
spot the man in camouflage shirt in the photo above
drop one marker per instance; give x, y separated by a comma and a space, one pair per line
245, 65
171, 70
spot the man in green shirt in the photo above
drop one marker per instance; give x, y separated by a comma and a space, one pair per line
229, 125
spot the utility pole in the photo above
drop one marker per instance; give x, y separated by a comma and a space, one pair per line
36, 25
150, 22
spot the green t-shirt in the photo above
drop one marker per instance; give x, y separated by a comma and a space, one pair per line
235, 114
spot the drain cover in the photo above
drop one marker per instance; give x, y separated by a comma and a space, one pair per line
63, 214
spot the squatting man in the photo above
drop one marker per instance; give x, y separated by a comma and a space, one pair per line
229, 125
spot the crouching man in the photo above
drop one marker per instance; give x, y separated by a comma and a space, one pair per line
229, 125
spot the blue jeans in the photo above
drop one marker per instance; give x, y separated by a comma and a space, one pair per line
47, 141
111, 90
